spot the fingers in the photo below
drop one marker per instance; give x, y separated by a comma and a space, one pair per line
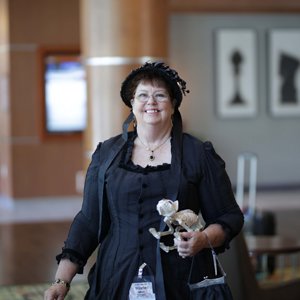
189, 243
55, 292
50, 295
183, 247
187, 235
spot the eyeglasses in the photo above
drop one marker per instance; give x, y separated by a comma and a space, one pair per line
158, 97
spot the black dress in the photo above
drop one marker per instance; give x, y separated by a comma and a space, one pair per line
129, 210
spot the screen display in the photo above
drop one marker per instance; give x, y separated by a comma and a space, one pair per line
65, 94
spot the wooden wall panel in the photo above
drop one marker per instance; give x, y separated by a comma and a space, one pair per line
46, 169
49, 22
37, 167
23, 94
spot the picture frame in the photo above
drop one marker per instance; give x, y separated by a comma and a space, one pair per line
284, 72
236, 72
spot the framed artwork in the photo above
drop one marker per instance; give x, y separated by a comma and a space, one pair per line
236, 73
284, 72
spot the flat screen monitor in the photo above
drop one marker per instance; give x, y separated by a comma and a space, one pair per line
65, 93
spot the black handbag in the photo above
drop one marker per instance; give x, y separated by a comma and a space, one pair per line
211, 288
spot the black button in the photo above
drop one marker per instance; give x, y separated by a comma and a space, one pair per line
140, 200
141, 247
141, 215
144, 185
140, 231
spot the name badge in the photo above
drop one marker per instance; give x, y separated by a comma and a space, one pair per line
142, 286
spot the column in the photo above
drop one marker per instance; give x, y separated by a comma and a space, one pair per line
116, 37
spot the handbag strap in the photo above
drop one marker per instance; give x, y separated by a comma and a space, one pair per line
216, 260
215, 257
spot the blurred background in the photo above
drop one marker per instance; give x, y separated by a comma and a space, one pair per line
61, 67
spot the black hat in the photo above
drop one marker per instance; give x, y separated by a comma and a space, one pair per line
160, 70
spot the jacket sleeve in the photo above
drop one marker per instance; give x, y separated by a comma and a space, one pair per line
218, 204
82, 239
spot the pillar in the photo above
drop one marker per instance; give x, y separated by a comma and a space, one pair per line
5, 130
116, 37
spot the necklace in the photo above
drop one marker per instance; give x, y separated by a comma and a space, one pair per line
152, 156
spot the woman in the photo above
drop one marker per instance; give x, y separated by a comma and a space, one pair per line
127, 177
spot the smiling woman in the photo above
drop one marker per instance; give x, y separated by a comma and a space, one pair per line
153, 109
129, 174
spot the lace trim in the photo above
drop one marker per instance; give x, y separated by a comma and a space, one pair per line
127, 164
72, 256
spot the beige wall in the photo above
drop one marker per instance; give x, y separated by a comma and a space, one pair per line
35, 166
275, 140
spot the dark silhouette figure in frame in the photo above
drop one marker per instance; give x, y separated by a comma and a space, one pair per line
288, 66
237, 60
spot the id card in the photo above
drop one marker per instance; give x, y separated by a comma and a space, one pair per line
142, 287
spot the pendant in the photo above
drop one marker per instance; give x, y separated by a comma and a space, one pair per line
151, 157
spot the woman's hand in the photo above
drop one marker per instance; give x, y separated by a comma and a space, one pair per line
63, 277
190, 243
56, 292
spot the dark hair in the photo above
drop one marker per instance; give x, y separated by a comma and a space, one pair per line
154, 72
